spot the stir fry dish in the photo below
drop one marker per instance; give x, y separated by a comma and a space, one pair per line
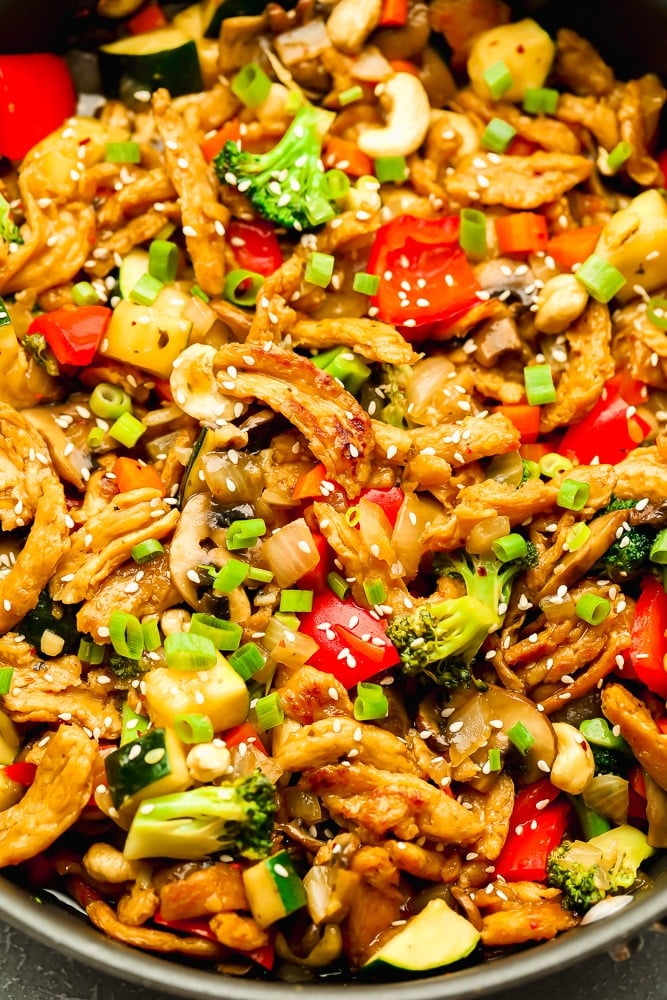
333, 483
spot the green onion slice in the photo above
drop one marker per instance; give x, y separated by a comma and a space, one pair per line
495, 760
600, 278
391, 169
6, 674
146, 290
619, 155
109, 401
520, 737
251, 85
371, 702
319, 269
472, 234
132, 725
242, 287
296, 601
656, 310
244, 534
553, 464
163, 260
338, 585
184, 651
90, 652
350, 95
592, 609
497, 135
577, 536
375, 592
122, 152
512, 546
95, 438
260, 575
539, 385
498, 79
232, 575
573, 495
540, 100
224, 635
366, 284
126, 635
199, 293
193, 728
335, 184
152, 637
83, 294
247, 660
127, 429
145, 551
269, 711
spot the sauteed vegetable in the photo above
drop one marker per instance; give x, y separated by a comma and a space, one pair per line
333, 487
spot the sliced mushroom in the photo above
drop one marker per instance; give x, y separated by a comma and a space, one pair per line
575, 564
494, 338
504, 274
196, 534
66, 432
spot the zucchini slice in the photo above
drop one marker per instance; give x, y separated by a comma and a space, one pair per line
166, 57
152, 765
133, 267
436, 936
274, 889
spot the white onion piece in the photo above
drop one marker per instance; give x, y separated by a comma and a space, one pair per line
430, 395
375, 529
202, 317
414, 515
303, 43
371, 65
291, 552
606, 908
608, 795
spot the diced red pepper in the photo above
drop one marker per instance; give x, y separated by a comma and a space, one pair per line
22, 771
648, 644
244, 733
148, 19
36, 96
229, 132
534, 833
342, 625
316, 579
521, 232
608, 432
394, 14
73, 335
255, 245
390, 499
525, 418
521, 147
309, 483
342, 154
425, 277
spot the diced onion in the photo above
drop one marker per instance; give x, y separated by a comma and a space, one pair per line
375, 530
302, 805
428, 390
371, 65
290, 552
414, 515
506, 468
608, 795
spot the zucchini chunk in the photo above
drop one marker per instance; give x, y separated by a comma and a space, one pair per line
166, 57
152, 765
436, 936
274, 889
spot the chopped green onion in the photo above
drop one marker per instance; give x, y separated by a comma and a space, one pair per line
391, 169
83, 294
251, 85
371, 702
247, 660
288, 620
553, 464
260, 575
350, 95
109, 401
592, 609
495, 760
146, 290
600, 278
658, 552
242, 287
338, 585
193, 728
472, 234
577, 536
366, 284
520, 737
132, 724
269, 711
127, 429
296, 600
231, 576
152, 637
224, 635
497, 135
375, 592
318, 208
6, 674
244, 534
531, 469
163, 260
573, 495
320, 268
183, 651
656, 310
95, 437
126, 635
335, 184
619, 155
539, 385
341, 363
90, 652
122, 152
199, 293
293, 101
145, 551
498, 79
540, 100
512, 546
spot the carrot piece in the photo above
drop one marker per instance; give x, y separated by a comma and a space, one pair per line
521, 232
394, 14
148, 19
346, 156
229, 132
534, 451
308, 484
525, 418
133, 475
404, 66
573, 246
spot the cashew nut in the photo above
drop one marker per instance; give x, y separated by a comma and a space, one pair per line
206, 762
351, 22
574, 765
561, 301
408, 119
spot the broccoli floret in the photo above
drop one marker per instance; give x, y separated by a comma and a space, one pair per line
9, 231
486, 578
610, 761
440, 639
627, 556
588, 871
126, 669
287, 184
236, 817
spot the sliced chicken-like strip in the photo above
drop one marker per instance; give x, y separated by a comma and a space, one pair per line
337, 429
371, 339
327, 740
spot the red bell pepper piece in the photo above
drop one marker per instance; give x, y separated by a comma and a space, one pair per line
534, 833
73, 334
648, 643
425, 277
525, 418
255, 245
316, 579
200, 927
309, 483
340, 626
342, 154
148, 19
22, 771
390, 499
133, 475
36, 96
244, 733
229, 132
394, 14
609, 431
